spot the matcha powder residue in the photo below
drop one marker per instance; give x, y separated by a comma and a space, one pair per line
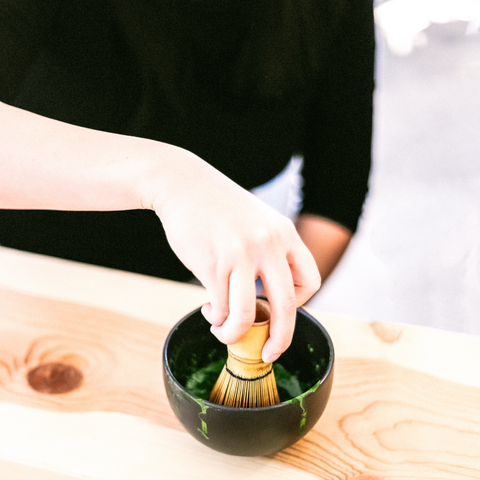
288, 385
201, 382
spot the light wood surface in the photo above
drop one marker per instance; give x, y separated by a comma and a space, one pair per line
405, 402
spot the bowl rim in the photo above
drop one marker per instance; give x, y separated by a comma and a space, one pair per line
313, 388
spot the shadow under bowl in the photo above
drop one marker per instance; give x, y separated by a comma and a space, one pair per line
248, 431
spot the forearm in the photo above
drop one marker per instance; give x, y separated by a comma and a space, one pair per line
48, 164
227, 237
326, 240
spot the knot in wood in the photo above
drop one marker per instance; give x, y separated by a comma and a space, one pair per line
55, 378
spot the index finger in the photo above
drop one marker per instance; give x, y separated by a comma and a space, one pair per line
241, 298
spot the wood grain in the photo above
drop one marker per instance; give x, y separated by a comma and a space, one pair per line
382, 420
395, 411
119, 357
391, 422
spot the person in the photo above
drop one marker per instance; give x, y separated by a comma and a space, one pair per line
114, 111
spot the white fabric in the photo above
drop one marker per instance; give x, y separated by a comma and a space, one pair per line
284, 192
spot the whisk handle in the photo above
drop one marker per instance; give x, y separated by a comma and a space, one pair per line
250, 346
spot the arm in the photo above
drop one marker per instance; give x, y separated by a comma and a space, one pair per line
338, 149
326, 240
222, 233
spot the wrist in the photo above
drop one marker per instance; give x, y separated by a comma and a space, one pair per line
165, 172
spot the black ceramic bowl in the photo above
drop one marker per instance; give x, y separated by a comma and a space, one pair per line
247, 431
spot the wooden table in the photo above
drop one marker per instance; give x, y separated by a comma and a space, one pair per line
405, 401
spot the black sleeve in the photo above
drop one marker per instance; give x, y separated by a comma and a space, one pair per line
24, 26
338, 148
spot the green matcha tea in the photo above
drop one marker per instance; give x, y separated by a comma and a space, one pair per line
201, 382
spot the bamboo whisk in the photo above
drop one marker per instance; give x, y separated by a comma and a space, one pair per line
246, 381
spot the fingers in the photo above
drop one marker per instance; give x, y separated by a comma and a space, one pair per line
217, 310
241, 299
288, 285
289, 275
289, 281
280, 292
305, 274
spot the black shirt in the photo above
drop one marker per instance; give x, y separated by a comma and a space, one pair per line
104, 65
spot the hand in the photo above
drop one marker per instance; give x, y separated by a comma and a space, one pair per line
228, 238
222, 233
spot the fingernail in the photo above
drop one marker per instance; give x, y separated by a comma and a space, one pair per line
205, 310
272, 358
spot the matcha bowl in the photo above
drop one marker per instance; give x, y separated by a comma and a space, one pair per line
192, 360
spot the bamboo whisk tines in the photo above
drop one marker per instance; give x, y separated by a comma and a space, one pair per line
246, 381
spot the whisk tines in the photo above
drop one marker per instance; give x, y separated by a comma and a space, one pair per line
246, 381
